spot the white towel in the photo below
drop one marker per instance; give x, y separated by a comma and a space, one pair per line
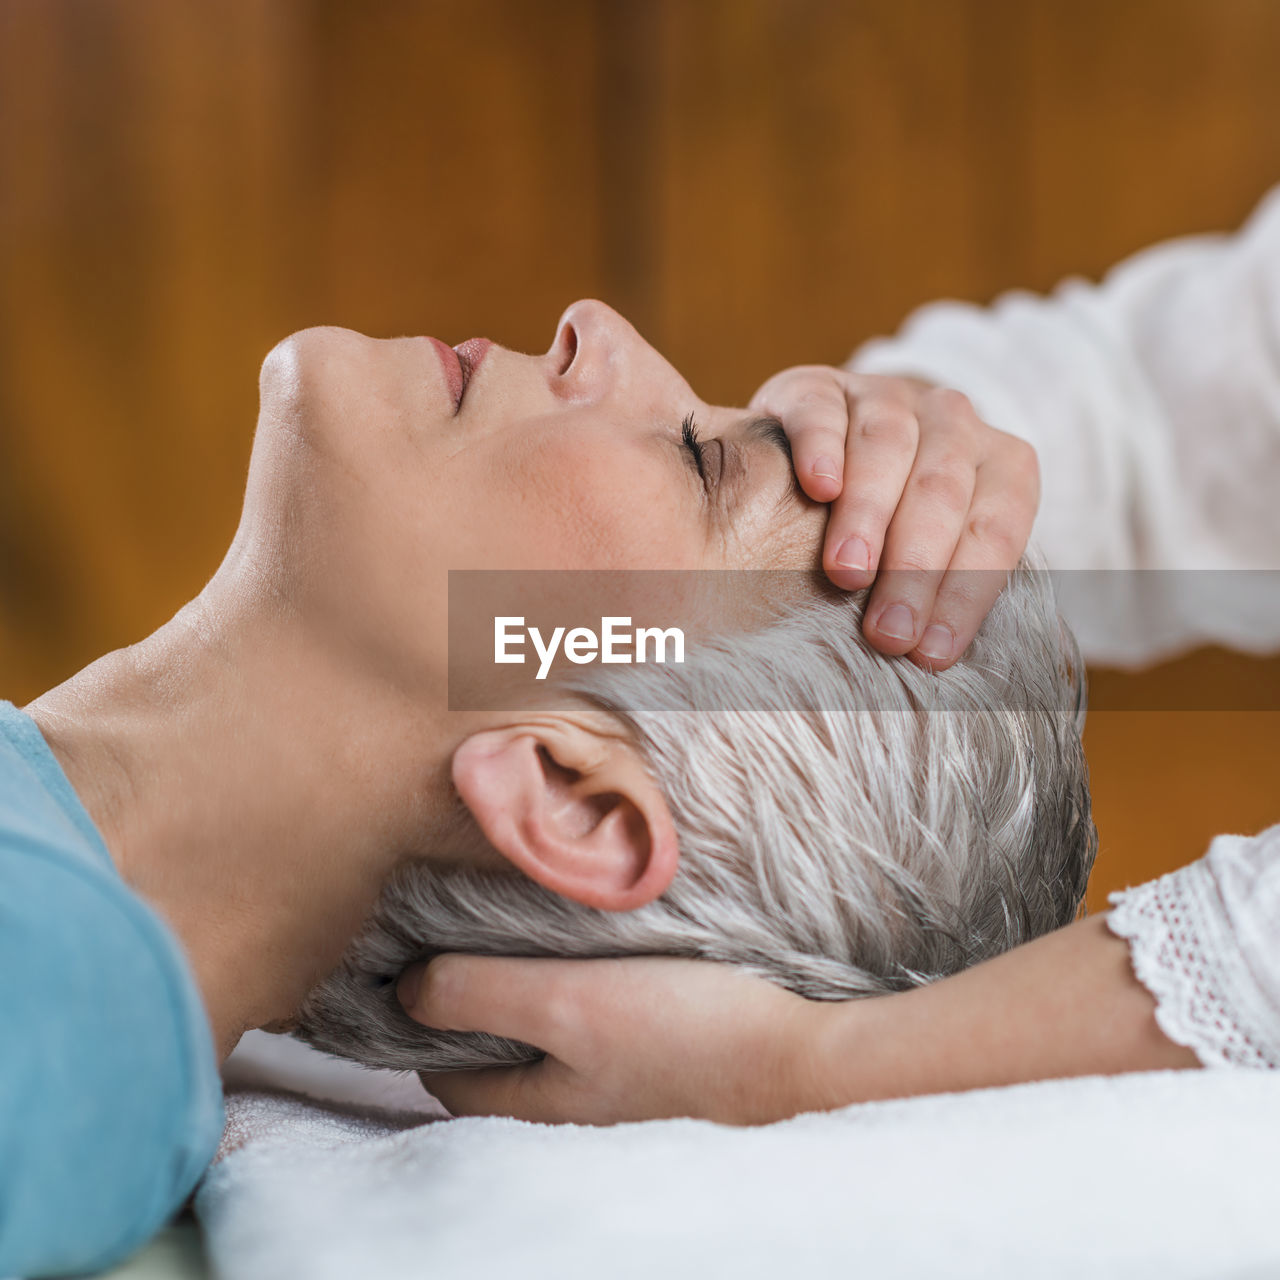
1166, 1175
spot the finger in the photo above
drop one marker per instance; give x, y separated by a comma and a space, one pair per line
540, 1092
994, 537
519, 998
487, 1091
879, 453
963, 599
922, 538
814, 412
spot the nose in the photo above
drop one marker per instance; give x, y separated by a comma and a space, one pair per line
595, 352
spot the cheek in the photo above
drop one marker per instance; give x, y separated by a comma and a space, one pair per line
769, 537
584, 504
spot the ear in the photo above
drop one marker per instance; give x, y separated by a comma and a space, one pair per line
573, 809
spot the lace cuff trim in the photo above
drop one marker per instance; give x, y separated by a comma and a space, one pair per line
1183, 951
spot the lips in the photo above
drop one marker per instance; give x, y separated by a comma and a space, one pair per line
460, 364
454, 378
470, 354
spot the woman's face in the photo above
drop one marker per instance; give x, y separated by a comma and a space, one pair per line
371, 477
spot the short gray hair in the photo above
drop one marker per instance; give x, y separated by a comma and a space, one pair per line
864, 826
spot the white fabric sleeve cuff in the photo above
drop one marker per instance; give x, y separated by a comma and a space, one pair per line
1205, 941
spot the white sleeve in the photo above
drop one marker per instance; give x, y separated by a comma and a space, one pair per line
1153, 402
1205, 941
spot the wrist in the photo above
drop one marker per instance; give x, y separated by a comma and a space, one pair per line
833, 1063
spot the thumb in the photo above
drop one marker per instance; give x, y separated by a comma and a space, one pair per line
518, 998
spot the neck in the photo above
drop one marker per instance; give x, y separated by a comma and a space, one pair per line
252, 793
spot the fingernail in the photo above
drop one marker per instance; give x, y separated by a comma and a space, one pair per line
408, 987
825, 467
853, 554
897, 622
938, 642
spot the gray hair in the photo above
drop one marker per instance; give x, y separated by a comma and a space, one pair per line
864, 826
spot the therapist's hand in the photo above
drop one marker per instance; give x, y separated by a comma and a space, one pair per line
650, 1038
625, 1039
927, 501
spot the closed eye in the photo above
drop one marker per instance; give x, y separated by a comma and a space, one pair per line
695, 448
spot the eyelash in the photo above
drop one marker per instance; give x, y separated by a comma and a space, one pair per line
689, 439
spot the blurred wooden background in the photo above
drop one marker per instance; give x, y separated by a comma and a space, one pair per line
753, 182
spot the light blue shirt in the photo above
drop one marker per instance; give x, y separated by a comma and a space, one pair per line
110, 1102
